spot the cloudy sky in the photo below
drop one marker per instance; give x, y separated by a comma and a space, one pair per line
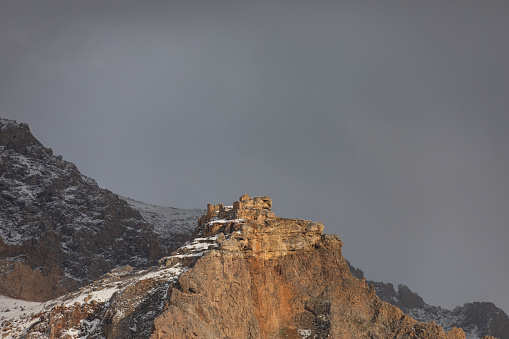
387, 121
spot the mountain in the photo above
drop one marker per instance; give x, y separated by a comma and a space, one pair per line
92, 264
246, 274
59, 230
477, 319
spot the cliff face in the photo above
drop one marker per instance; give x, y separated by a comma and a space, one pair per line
58, 229
247, 274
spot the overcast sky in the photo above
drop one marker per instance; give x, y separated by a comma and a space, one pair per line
385, 120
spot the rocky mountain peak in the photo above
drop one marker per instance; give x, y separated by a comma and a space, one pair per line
252, 228
17, 136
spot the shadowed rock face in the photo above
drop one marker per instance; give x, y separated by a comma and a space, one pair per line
487, 317
58, 229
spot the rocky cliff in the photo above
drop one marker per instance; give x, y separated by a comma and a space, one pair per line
58, 229
246, 274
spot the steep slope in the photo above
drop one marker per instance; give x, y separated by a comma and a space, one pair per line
247, 274
173, 226
58, 229
477, 319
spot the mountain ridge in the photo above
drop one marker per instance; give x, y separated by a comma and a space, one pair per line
58, 228
477, 319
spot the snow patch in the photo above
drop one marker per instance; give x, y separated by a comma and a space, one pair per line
100, 295
304, 333
171, 273
164, 219
17, 315
223, 221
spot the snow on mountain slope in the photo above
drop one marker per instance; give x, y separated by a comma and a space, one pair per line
246, 269
477, 319
122, 303
59, 229
16, 315
173, 225
167, 219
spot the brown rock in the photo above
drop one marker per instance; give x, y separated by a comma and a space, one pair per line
278, 278
229, 296
24, 282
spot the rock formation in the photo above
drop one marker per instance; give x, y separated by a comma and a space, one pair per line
277, 278
247, 274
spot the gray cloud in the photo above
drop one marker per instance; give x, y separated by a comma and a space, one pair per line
386, 121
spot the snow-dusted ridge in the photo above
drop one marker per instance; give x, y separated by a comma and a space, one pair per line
56, 219
476, 319
167, 219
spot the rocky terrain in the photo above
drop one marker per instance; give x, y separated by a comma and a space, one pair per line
59, 230
246, 274
477, 319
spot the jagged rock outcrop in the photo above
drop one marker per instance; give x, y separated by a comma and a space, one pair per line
58, 229
478, 319
277, 278
247, 274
